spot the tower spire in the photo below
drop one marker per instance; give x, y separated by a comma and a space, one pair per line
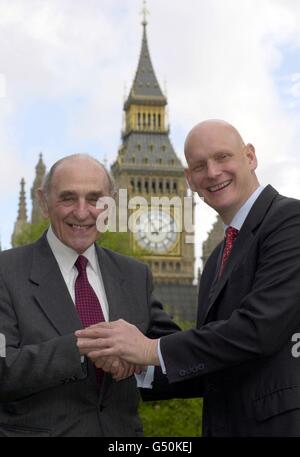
39, 175
145, 13
145, 88
22, 214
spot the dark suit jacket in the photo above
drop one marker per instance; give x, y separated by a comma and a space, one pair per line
240, 352
44, 388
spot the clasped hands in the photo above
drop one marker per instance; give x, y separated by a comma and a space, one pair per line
118, 348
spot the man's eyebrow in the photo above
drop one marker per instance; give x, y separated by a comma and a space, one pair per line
223, 151
67, 193
96, 194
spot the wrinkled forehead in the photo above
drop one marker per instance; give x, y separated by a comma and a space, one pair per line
80, 175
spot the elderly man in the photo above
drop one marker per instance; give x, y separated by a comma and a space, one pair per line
51, 288
243, 350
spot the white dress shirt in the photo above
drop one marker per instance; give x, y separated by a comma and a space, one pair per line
243, 212
66, 258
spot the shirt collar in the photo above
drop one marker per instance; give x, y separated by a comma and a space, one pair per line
66, 256
243, 212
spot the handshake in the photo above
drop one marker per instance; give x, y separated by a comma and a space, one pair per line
118, 348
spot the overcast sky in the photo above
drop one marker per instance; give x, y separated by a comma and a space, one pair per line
65, 66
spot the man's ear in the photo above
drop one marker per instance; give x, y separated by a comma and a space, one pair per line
43, 203
188, 179
251, 156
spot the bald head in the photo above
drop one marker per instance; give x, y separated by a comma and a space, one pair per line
81, 161
206, 133
221, 168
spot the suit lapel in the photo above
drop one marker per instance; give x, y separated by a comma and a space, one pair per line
243, 242
51, 291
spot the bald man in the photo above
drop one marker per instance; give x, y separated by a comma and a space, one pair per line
51, 288
244, 352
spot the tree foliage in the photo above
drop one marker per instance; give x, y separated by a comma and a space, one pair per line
172, 418
30, 233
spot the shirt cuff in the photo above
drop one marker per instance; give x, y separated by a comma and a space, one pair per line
145, 379
161, 360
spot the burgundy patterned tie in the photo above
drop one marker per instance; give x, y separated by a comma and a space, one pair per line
231, 234
87, 303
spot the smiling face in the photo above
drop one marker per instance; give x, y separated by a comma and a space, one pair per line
221, 168
76, 185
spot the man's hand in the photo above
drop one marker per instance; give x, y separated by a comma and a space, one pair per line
119, 369
119, 339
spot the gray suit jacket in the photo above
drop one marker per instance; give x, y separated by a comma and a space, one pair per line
44, 389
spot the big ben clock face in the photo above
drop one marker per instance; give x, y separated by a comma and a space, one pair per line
156, 231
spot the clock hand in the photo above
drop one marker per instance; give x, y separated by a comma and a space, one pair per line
167, 224
153, 229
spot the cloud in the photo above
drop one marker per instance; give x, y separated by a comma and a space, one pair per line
295, 88
2, 86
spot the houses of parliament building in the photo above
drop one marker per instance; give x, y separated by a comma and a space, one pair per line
147, 165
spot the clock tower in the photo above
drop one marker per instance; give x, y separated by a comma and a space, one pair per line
147, 166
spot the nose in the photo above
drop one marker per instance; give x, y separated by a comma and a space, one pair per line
81, 210
213, 169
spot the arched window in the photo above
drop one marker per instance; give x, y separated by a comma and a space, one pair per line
154, 121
